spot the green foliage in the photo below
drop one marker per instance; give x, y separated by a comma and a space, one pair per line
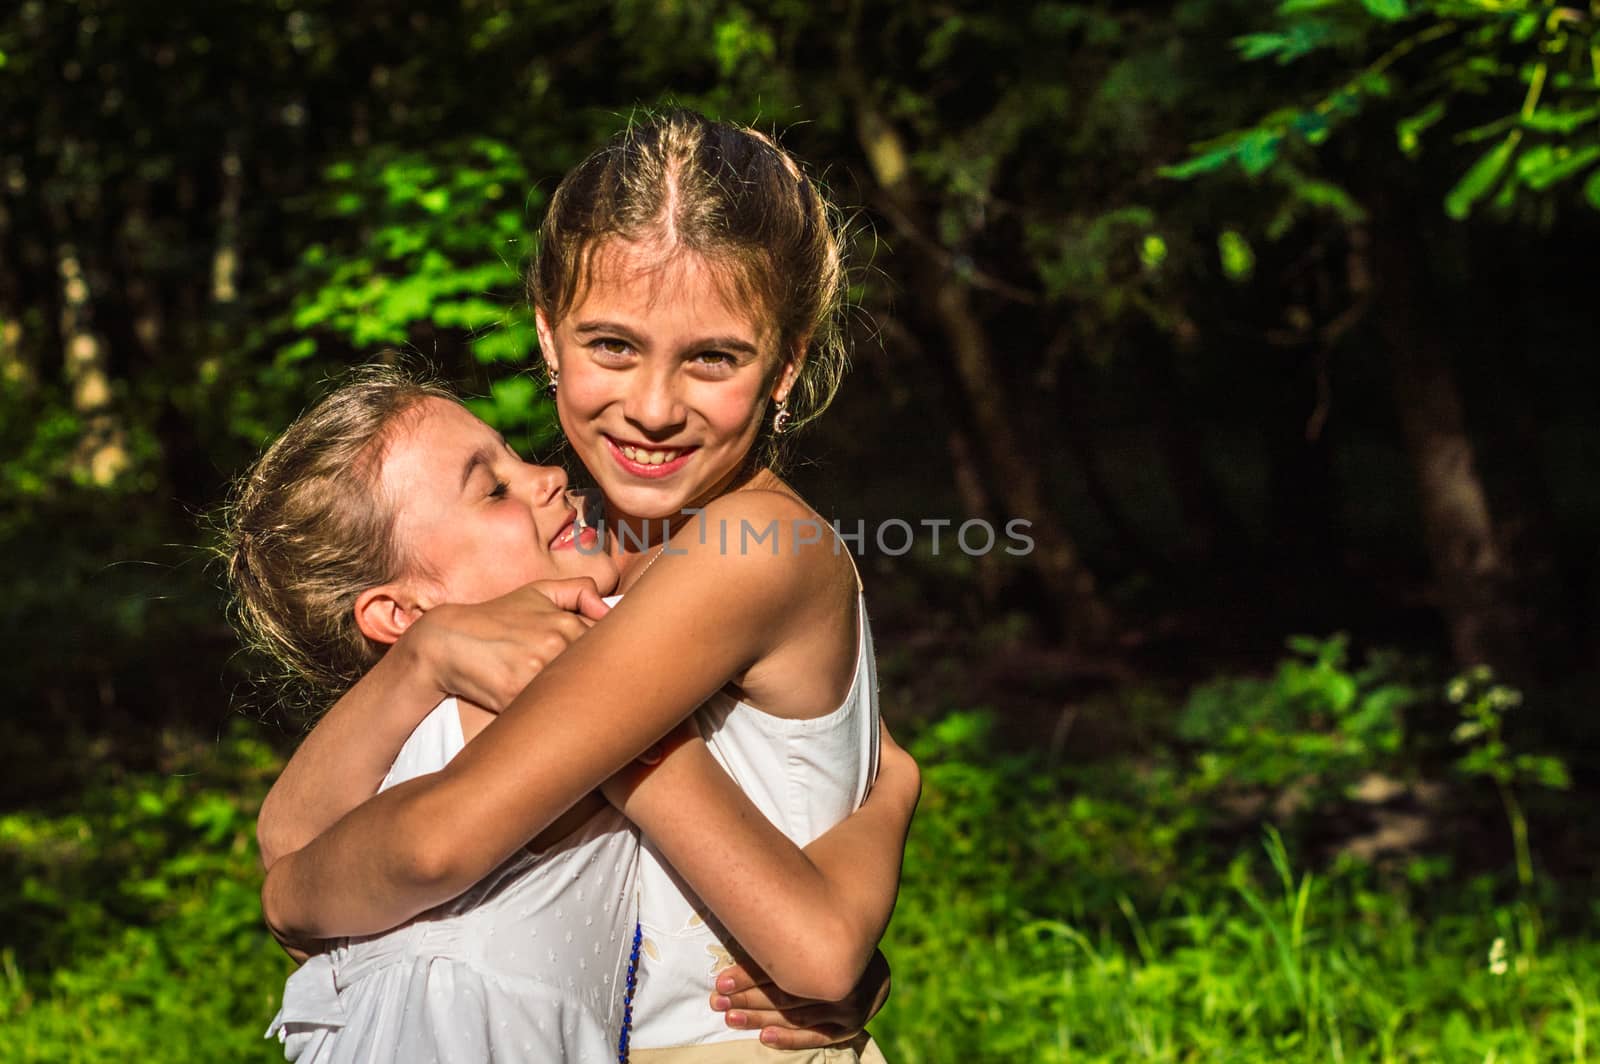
428, 244
1483, 705
1315, 727
1524, 79
1006, 946
1047, 913
143, 933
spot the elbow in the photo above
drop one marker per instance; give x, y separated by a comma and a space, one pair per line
824, 966
819, 982
286, 921
272, 839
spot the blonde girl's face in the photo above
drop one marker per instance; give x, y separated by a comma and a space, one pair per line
473, 520
664, 380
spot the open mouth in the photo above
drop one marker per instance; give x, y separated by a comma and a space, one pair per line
575, 534
645, 460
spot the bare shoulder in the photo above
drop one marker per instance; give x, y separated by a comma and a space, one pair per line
768, 536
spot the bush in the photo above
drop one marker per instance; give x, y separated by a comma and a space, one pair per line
1082, 913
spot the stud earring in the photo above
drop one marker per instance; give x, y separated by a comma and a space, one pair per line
780, 420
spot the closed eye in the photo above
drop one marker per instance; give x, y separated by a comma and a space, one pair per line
500, 490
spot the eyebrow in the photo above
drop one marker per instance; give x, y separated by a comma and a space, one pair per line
720, 343
480, 457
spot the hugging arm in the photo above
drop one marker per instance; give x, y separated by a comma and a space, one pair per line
812, 918
698, 620
485, 653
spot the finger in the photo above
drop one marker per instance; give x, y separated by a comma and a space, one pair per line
764, 996
576, 593
590, 603
572, 625
783, 1034
741, 976
781, 1037
815, 1017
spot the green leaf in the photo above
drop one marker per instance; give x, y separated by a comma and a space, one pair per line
1214, 158
1480, 178
1408, 131
1591, 190
1238, 259
1551, 165
1258, 151
1388, 10
1564, 122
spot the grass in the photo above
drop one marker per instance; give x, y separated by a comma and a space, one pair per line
1063, 915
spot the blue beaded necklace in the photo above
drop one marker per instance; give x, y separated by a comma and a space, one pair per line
627, 994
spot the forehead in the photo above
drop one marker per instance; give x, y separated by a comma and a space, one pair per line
433, 435
667, 288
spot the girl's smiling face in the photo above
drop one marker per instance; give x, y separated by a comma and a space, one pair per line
473, 520
664, 379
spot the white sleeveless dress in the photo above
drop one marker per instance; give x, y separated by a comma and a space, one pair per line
805, 776
528, 965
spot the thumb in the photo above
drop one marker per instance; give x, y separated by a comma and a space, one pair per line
579, 594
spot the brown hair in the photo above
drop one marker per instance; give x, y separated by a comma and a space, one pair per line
305, 531
728, 193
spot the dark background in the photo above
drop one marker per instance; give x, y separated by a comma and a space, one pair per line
1271, 323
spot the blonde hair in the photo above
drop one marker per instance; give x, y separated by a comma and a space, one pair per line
305, 531
729, 194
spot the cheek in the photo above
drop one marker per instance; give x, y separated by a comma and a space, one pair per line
733, 409
581, 395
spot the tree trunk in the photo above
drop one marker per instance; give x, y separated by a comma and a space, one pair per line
225, 255
15, 372
1012, 466
1473, 580
102, 453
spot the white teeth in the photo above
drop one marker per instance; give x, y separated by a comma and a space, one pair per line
644, 457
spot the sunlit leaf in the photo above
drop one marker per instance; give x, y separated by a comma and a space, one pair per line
1258, 151
1480, 178
1408, 131
1388, 10
1238, 259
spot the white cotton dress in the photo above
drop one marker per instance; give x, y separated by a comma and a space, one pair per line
805, 776
528, 965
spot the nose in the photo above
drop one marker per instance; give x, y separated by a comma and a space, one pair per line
545, 483
652, 403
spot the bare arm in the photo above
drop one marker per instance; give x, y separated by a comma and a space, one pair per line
701, 617
812, 919
485, 653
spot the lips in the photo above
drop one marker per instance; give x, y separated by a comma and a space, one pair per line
573, 535
650, 463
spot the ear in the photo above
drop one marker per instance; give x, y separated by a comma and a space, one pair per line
384, 613
547, 341
789, 372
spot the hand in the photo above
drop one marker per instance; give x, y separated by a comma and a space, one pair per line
488, 652
751, 1000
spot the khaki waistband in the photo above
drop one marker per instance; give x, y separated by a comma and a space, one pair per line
859, 1050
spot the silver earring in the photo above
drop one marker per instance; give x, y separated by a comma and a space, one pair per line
780, 420
555, 381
